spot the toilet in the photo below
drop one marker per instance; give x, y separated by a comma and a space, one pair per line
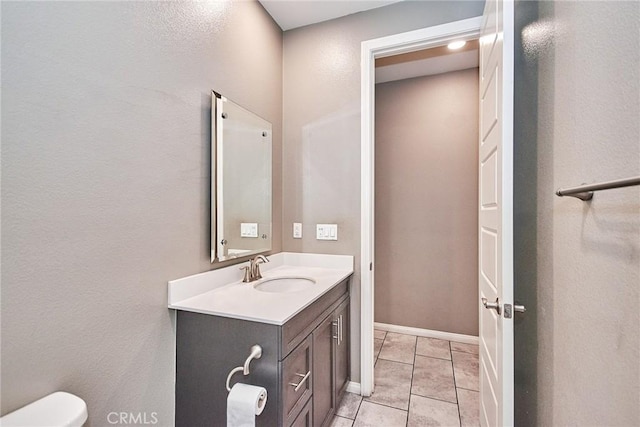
59, 409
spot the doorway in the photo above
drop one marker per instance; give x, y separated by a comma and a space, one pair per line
426, 193
371, 50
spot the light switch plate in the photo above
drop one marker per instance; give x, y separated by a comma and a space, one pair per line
297, 230
248, 229
326, 231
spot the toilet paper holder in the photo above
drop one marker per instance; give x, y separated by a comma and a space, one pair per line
256, 353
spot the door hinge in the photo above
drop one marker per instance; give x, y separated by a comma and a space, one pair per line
370, 266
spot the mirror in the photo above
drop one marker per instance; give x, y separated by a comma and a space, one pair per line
240, 181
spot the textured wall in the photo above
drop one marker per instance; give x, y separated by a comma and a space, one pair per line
525, 220
321, 151
426, 199
585, 59
105, 185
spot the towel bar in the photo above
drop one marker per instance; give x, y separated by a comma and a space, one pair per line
585, 192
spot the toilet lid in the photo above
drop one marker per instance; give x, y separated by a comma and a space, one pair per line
59, 409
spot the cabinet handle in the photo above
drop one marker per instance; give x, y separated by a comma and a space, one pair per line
337, 325
304, 379
340, 330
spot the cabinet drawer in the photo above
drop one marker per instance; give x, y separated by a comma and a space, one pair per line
304, 419
297, 380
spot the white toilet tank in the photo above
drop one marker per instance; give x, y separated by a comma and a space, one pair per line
59, 409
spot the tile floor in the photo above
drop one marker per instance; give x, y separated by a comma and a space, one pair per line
419, 382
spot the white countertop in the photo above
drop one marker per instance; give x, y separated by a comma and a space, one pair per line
222, 293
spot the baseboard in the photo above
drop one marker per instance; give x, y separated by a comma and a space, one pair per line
353, 387
449, 336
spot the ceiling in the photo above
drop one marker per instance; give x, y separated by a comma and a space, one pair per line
427, 62
290, 14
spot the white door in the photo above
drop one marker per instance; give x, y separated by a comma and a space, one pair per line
495, 216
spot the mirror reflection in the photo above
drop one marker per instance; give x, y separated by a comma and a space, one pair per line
241, 181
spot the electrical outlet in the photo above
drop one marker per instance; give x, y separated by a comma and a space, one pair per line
249, 229
297, 230
326, 231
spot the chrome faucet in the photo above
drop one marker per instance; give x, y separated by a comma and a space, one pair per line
252, 271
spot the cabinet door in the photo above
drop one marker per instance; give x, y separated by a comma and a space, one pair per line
323, 372
342, 356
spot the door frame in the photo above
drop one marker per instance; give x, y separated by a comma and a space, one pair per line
370, 50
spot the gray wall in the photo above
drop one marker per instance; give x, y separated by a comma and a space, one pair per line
105, 130
582, 330
525, 220
426, 202
105, 185
321, 152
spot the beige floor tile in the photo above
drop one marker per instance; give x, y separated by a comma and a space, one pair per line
465, 369
398, 347
416, 380
392, 384
433, 378
465, 348
432, 347
377, 346
372, 415
378, 334
341, 422
349, 406
430, 412
469, 403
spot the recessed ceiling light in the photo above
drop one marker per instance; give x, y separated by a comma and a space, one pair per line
456, 45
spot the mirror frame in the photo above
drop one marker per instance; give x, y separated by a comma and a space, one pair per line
216, 169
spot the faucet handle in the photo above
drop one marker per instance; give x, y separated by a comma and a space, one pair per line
247, 273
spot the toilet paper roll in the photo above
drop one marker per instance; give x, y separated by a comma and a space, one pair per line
244, 403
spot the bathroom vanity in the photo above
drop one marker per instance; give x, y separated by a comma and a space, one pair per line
303, 332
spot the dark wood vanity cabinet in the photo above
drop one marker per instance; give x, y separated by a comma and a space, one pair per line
342, 354
304, 365
297, 380
330, 363
305, 418
323, 372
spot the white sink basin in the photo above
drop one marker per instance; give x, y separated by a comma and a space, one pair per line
285, 284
